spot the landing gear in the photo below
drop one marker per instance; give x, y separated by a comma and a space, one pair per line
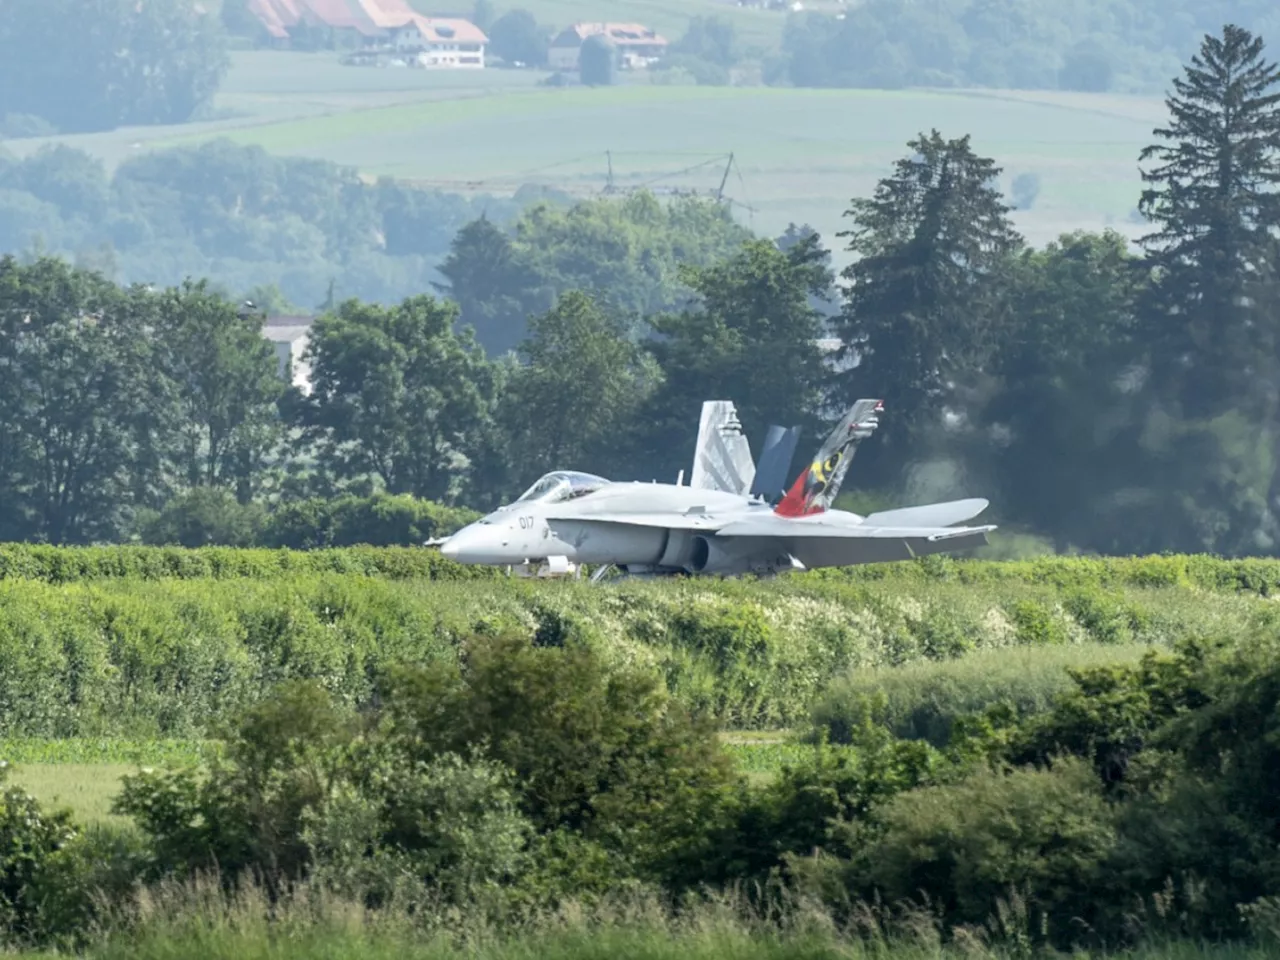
606, 572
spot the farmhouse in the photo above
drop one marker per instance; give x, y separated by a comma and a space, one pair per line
391, 25
638, 46
441, 42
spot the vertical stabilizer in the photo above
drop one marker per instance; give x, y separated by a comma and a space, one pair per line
816, 488
774, 467
722, 458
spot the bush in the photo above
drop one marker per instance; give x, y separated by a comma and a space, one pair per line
553, 742
65, 565
704, 73
200, 518
247, 813
1045, 835
381, 520
448, 826
37, 866
603, 752
155, 642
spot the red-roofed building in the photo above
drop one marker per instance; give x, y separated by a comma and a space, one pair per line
391, 23
442, 42
638, 46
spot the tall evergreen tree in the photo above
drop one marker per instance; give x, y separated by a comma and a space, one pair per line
1212, 197
494, 288
922, 308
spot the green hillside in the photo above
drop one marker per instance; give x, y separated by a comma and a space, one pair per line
800, 155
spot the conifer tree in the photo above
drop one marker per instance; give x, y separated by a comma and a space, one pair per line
922, 308
1212, 198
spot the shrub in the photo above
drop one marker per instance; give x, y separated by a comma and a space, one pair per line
1045, 835
34, 861
1036, 625
282, 763
606, 753
553, 742
64, 565
380, 520
1106, 617
202, 517
448, 826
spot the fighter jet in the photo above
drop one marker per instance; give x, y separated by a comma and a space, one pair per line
642, 529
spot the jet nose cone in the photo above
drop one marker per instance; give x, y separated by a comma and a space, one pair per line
473, 544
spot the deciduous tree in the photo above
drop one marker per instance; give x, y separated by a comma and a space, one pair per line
397, 394
750, 337
80, 396
575, 400
226, 386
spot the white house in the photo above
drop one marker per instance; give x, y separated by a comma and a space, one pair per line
290, 336
438, 42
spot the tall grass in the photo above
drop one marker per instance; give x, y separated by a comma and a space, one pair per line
921, 701
196, 921
169, 658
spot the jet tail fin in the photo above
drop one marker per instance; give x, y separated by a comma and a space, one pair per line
775, 461
722, 456
815, 490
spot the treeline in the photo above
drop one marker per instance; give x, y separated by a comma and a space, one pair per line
520, 778
1103, 399
296, 235
1128, 46
117, 400
71, 67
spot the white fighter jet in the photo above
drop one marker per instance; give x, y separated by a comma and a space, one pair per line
568, 518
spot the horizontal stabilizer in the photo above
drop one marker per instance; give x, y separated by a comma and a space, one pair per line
929, 515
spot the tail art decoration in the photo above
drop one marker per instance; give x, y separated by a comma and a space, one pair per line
815, 490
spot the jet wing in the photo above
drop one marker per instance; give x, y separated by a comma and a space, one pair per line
818, 544
929, 515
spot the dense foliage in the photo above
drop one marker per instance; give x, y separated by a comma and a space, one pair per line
1104, 399
1087, 45
167, 642
72, 67
534, 761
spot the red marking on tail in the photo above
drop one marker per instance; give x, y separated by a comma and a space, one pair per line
795, 504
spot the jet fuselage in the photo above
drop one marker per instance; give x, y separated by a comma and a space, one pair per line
533, 532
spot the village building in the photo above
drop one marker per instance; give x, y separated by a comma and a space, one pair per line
389, 27
290, 337
637, 45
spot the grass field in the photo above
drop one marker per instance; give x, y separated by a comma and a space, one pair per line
800, 155
925, 642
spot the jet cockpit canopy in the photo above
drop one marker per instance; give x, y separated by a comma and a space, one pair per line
562, 485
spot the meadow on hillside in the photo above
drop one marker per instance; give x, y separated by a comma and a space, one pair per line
799, 155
